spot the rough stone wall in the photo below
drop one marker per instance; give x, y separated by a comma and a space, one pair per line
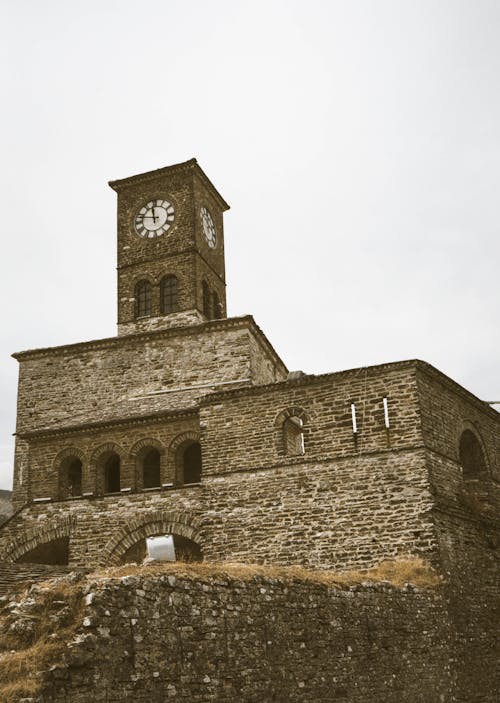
152, 639
151, 324
46, 453
15, 577
321, 514
183, 250
124, 377
242, 430
182, 265
467, 526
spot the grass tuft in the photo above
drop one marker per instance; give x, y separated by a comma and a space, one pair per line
33, 642
397, 572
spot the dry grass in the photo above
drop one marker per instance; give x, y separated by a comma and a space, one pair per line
34, 648
397, 572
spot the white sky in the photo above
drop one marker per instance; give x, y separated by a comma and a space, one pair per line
358, 143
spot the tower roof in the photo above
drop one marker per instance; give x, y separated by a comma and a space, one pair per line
186, 166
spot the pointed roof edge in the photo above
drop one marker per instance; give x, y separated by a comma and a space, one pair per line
191, 165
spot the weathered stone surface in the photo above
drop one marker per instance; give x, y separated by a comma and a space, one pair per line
224, 639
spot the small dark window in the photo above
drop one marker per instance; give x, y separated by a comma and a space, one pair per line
143, 299
293, 436
151, 469
471, 455
112, 474
191, 463
206, 300
168, 295
217, 308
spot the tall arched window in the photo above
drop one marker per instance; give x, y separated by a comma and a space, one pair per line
143, 299
168, 294
290, 424
151, 477
471, 455
111, 467
192, 463
206, 300
293, 436
70, 477
217, 307
188, 461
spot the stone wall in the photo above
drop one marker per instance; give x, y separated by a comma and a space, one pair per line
220, 638
466, 519
121, 378
243, 430
321, 514
183, 250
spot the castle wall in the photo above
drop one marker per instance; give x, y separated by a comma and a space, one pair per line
172, 637
130, 376
46, 454
321, 514
466, 520
242, 430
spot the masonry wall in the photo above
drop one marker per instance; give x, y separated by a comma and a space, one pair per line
169, 637
467, 526
47, 453
130, 376
321, 514
242, 430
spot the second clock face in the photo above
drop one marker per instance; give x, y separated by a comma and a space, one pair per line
208, 228
154, 218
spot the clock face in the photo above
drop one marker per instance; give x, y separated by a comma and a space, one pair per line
154, 218
208, 228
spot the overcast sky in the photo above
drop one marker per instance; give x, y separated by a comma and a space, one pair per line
357, 142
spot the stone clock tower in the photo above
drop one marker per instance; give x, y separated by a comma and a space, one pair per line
170, 249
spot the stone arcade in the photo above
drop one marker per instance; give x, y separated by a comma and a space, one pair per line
188, 423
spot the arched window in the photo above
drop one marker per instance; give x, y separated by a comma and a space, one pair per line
111, 468
290, 425
151, 476
70, 477
217, 307
143, 299
168, 294
293, 436
189, 463
206, 300
471, 455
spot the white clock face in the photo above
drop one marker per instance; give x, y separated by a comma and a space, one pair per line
154, 218
208, 228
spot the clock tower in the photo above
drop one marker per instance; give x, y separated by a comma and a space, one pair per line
170, 249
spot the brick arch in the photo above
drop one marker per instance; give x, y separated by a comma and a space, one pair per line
149, 525
60, 467
174, 453
147, 443
97, 466
467, 425
107, 447
293, 411
36, 536
182, 439
472, 426
66, 453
